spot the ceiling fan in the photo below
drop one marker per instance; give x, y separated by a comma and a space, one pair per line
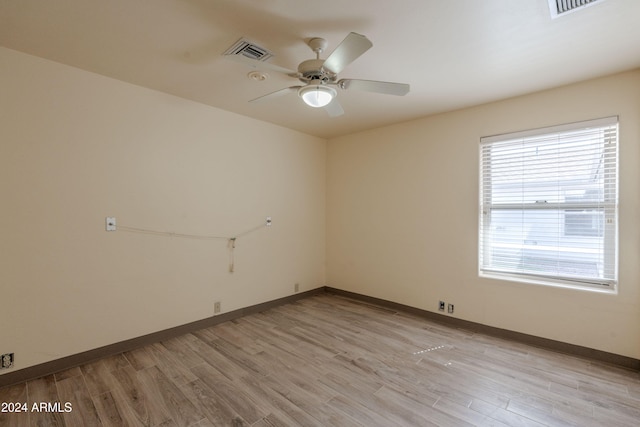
320, 76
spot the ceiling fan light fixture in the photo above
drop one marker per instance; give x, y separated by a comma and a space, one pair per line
317, 95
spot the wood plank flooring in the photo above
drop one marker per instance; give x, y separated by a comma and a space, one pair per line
331, 361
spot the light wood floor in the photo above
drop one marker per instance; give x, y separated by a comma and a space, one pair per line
331, 361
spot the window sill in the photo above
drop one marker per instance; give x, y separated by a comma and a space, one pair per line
563, 284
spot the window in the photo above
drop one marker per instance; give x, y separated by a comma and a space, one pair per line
549, 205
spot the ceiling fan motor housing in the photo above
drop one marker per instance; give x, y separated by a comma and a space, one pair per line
312, 70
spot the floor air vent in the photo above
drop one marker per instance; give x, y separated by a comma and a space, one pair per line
250, 50
562, 7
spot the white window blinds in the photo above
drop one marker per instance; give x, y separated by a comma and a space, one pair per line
549, 201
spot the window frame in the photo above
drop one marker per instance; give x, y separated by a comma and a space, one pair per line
610, 187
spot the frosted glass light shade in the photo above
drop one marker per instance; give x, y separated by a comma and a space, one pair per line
317, 96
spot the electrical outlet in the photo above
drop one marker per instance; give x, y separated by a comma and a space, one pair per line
450, 308
6, 361
296, 287
217, 307
441, 306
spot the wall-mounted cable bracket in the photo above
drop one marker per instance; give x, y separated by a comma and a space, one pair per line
110, 223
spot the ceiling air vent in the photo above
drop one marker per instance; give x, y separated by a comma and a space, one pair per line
562, 7
250, 50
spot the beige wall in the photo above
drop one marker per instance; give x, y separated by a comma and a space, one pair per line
402, 217
77, 147
401, 212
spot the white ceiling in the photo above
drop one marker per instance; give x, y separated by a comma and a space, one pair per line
453, 53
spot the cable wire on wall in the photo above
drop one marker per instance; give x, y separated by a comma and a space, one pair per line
231, 241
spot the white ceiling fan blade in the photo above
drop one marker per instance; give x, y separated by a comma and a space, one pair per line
261, 65
276, 94
334, 109
388, 88
347, 51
